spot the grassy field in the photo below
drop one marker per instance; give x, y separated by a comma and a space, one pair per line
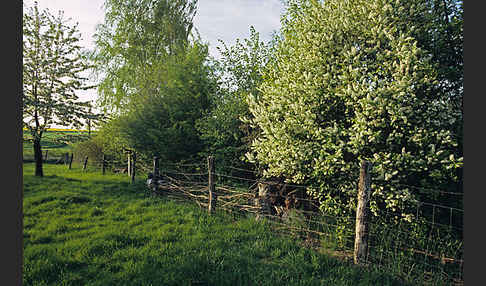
83, 228
57, 142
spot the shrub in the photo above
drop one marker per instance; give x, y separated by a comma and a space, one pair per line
91, 148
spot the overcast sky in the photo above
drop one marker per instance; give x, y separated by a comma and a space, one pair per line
215, 19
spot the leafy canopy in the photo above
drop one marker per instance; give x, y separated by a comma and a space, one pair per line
136, 36
53, 63
153, 76
351, 83
239, 70
163, 123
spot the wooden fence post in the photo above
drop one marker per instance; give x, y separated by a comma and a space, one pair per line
66, 158
129, 164
85, 163
103, 164
71, 161
261, 201
156, 167
155, 172
211, 185
45, 159
134, 159
362, 214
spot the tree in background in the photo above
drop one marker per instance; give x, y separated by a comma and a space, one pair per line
153, 75
164, 123
135, 38
93, 119
52, 64
225, 129
357, 80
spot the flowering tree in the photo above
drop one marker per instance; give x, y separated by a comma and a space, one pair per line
52, 66
351, 82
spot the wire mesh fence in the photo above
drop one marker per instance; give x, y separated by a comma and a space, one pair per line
427, 245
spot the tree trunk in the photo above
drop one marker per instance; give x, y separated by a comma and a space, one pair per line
38, 158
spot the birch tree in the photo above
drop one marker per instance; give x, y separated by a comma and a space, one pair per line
136, 37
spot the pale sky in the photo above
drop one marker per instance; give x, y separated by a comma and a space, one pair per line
215, 19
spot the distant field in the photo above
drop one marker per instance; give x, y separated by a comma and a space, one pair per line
62, 129
56, 141
66, 129
83, 228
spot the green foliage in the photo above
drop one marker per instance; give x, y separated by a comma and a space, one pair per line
240, 69
351, 83
91, 148
111, 141
163, 123
243, 64
221, 131
153, 77
83, 228
134, 41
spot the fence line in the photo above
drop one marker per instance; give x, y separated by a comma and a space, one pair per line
440, 247
384, 238
243, 170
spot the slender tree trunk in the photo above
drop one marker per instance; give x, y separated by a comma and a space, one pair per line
38, 158
89, 128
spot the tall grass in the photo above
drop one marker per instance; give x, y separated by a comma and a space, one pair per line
83, 228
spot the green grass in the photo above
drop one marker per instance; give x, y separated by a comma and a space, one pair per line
83, 228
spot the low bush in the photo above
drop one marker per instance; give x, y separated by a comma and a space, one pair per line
91, 148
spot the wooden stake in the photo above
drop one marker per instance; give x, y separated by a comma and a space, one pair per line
71, 161
129, 165
85, 163
262, 201
155, 172
134, 158
45, 159
103, 164
362, 214
156, 167
211, 184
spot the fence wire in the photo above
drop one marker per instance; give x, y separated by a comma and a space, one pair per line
429, 244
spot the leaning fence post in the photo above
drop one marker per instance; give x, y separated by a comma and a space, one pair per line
362, 214
134, 158
103, 164
85, 163
211, 185
71, 161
